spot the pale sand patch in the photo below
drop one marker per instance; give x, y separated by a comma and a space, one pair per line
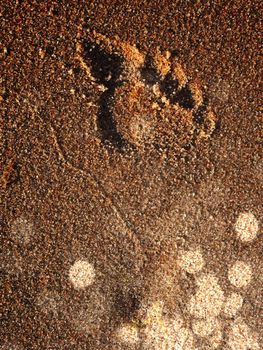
232, 304
81, 274
209, 298
160, 332
204, 327
191, 261
128, 333
210, 329
241, 338
215, 338
246, 227
240, 274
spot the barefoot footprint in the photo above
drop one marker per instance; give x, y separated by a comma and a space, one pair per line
146, 101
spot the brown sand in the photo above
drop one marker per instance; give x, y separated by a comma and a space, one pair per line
131, 169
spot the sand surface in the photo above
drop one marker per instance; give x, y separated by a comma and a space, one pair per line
131, 175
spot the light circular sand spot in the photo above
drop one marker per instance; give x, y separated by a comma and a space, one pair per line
241, 338
209, 298
165, 335
81, 274
160, 332
233, 303
240, 274
191, 261
216, 337
128, 334
246, 227
204, 327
